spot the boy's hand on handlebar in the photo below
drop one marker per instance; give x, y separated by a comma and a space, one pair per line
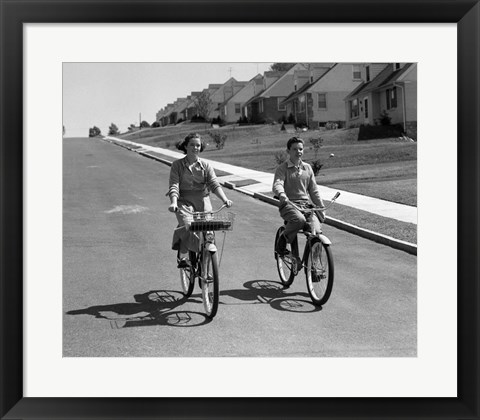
228, 203
173, 208
283, 198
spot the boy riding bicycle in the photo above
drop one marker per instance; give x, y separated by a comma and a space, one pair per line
294, 181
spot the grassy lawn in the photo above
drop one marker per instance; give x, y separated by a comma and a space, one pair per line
384, 168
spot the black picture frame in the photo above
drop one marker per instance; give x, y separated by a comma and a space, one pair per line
14, 13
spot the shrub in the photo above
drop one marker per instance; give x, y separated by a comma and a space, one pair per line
316, 166
385, 118
280, 156
370, 132
317, 143
331, 125
218, 139
155, 124
197, 118
291, 119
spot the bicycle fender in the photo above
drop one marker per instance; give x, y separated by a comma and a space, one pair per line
325, 240
211, 247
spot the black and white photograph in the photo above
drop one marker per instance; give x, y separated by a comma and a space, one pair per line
239, 209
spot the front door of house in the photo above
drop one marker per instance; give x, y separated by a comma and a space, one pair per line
366, 110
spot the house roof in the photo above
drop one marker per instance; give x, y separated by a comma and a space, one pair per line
262, 93
305, 87
386, 77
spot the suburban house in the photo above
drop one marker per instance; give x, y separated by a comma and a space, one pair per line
175, 113
163, 120
191, 108
224, 92
321, 100
266, 106
392, 91
231, 109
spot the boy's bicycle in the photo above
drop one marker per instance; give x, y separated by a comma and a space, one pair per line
317, 259
204, 263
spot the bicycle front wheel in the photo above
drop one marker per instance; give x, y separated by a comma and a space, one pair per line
210, 283
187, 276
285, 264
319, 271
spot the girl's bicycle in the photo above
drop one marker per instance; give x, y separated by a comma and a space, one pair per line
204, 263
317, 259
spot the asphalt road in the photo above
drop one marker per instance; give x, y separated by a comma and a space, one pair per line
121, 288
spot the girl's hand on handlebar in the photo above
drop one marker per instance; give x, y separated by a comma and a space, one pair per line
173, 208
228, 203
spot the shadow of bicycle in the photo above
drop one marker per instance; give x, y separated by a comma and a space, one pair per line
272, 293
153, 308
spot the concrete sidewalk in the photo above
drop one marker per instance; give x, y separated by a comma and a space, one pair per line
258, 183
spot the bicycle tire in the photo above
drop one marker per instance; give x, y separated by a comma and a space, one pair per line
187, 277
319, 271
210, 283
284, 263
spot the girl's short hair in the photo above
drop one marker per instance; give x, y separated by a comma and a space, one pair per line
184, 143
294, 140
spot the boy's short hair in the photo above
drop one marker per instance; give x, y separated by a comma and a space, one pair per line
294, 140
184, 143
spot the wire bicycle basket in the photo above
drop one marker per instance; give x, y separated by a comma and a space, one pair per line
201, 222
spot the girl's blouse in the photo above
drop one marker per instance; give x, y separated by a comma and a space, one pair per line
197, 178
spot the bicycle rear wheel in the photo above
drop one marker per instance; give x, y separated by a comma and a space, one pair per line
210, 283
187, 276
319, 271
285, 264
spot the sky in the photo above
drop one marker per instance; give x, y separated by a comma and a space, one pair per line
99, 94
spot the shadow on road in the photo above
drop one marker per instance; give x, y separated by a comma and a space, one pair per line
272, 293
160, 307
153, 308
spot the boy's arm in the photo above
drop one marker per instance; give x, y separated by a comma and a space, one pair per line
278, 187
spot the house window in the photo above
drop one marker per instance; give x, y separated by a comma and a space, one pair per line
391, 98
301, 103
354, 108
322, 101
357, 72
281, 107
311, 79
260, 105
396, 66
394, 98
367, 69
237, 108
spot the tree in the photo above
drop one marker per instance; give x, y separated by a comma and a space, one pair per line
144, 124
131, 127
204, 105
113, 129
281, 66
94, 132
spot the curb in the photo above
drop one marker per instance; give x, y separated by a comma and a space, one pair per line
356, 230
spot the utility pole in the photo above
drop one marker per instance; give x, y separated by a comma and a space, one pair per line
230, 71
140, 120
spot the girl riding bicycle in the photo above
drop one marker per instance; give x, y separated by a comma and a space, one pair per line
191, 181
294, 181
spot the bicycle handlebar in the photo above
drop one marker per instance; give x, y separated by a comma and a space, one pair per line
316, 208
186, 210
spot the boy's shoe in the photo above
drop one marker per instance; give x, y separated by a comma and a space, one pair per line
183, 263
